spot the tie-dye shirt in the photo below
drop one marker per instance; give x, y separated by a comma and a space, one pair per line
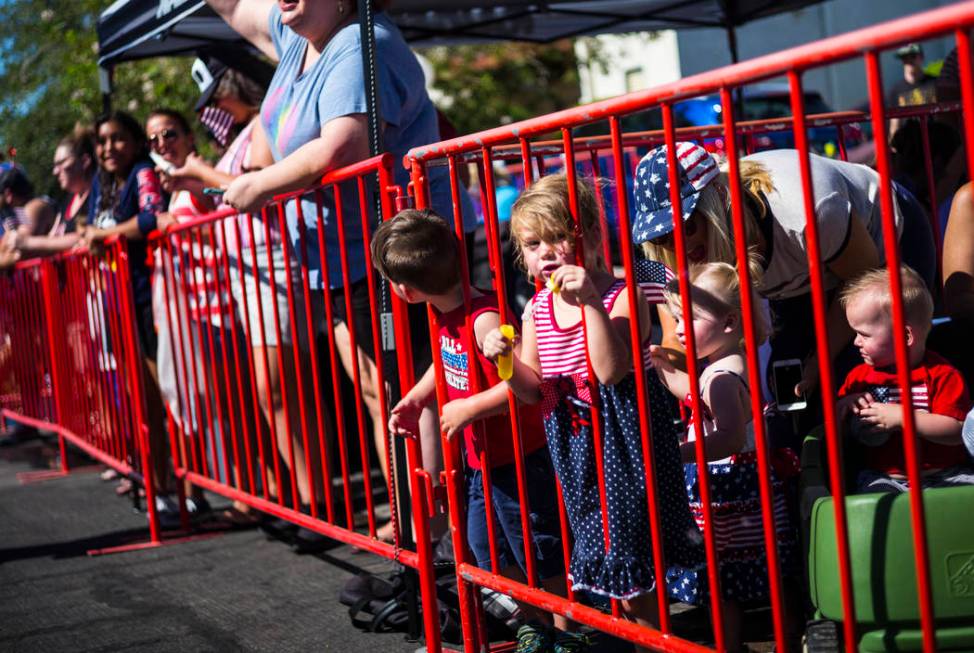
298, 104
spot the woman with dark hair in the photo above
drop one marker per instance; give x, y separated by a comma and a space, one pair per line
126, 199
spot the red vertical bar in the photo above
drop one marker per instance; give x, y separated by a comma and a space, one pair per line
414, 454
227, 321
269, 394
209, 373
642, 394
753, 372
490, 217
816, 272
203, 415
221, 284
910, 440
335, 366
932, 194
163, 254
110, 310
54, 338
133, 355
295, 350
603, 218
385, 184
208, 263
353, 344
526, 162
840, 133
490, 229
693, 372
282, 227
967, 94
320, 416
248, 338
451, 451
597, 439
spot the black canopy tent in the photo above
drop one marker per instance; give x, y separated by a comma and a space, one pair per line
137, 29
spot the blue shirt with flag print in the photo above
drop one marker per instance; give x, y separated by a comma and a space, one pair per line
298, 104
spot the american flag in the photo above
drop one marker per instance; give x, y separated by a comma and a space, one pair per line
892, 395
219, 122
652, 278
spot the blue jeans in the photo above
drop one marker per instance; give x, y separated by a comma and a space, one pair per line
545, 528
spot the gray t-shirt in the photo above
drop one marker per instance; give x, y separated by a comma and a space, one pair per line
298, 104
841, 191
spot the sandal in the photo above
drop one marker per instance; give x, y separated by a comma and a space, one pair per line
386, 532
124, 487
242, 517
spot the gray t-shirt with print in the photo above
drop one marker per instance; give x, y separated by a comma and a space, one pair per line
840, 191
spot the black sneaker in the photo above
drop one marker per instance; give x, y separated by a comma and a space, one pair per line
167, 510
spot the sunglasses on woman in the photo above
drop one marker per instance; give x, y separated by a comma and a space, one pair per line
164, 135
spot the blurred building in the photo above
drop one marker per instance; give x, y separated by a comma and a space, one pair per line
630, 62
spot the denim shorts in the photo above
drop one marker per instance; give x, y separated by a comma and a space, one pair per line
545, 527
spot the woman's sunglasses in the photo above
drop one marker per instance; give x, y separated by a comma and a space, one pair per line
164, 135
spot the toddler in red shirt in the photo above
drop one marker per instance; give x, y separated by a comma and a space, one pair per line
869, 403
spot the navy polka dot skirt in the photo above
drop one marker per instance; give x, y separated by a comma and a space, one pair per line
624, 568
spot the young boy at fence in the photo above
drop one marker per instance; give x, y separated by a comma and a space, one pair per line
419, 254
551, 369
725, 403
869, 399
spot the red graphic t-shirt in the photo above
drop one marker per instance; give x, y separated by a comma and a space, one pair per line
937, 387
494, 431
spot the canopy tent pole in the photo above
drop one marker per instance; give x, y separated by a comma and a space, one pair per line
400, 468
105, 75
732, 42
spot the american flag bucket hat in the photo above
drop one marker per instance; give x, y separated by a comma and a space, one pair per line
651, 188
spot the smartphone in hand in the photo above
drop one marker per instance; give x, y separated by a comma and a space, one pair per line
786, 374
164, 165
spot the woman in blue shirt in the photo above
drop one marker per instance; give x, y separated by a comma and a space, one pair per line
314, 118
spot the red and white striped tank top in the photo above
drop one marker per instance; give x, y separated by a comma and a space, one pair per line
562, 350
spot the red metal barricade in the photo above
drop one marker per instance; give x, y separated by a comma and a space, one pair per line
290, 448
69, 328
258, 423
525, 143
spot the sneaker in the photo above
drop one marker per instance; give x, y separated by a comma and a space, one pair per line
567, 642
168, 512
532, 638
198, 507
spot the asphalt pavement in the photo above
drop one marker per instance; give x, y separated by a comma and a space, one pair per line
231, 591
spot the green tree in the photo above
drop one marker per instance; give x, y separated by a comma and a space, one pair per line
49, 80
482, 86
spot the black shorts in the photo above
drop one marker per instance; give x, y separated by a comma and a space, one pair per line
146, 329
362, 316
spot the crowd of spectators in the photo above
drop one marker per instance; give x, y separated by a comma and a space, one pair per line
277, 135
